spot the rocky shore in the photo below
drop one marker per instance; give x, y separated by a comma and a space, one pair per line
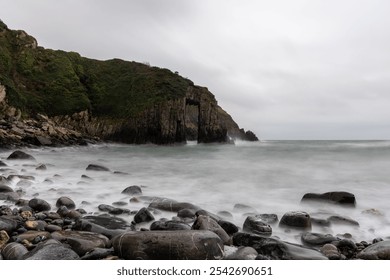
33, 229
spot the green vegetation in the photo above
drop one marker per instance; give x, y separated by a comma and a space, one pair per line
41, 80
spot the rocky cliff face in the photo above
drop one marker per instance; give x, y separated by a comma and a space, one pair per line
62, 97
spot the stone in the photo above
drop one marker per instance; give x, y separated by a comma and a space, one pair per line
143, 216
35, 225
41, 167
169, 245
105, 208
39, 205
186, 213
346, 247
336, 219
343, 198
257, 226
98, 254
317, 239
81, 241
2, 163
207, 223
242, 253
87, 225
276, 249
32, 235
377, 251
13, 251
229, 227
244, 208
4, 238
43, 141
108, 221
95, 167
7, 224
296, 219
267, 218
132, 190
52, 228
169, 225
331, 252
20, 155
51, 250
9, 196
5, 189
172, 206
65, 201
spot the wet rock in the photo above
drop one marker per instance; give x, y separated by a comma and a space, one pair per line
242, 253
331, 252
41, 167
51, 250
2, 164
8, 224
377, 251
317, 239
343, 220
52, 228
320, 222
119, 211
32, 235
186, 213
172, 206
5, 189
276, 249
13, 251
9, 196
346, 247
343, 198
108, 221
208, 214
105, 208
119, 203
65, 201
95, 167
63, 211
35, 225
169, 245
169, 225
98, 254
225, 214
39, 205
87, 225
4, 238
81, 241
296, 219
19, 155
227, 226
207, 223
257, 226
268, 218
143, 216
74, 214
132, 190
87, 177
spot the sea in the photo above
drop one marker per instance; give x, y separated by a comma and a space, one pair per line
267, 177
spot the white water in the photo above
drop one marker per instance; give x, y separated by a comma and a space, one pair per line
270, 176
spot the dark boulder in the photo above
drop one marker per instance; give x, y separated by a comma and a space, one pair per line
8, 224
95, 167
169, 245
98, 254
5, 189
132, 190
172, 206
207, 223
296, 219
343, 198
378, 251
14, 251
39, 205
242, 253
317, 239
65, 201
102, 228
341, 220
267, 218
32, 235
19, 155
186, 213
81, 241
169, 225
143, 216
346, 247
229, 227
257, 226
331, 252
51, 250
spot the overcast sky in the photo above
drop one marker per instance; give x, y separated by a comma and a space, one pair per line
301, 69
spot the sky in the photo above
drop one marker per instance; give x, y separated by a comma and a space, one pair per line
287, 70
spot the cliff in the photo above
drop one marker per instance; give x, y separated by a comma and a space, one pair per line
111, 100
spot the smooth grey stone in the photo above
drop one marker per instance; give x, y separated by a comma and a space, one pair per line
207, 223
378, 251
343, 198
51, 250
20, 155
296, 219
95, 167
13, 251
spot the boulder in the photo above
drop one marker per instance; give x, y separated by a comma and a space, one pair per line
296, 219
4, 238
88, 225
65, 201
343, 198
8, 224
13, 251
39, 205
346, 247
317, 239
276, 249
377, 251
132, 190
331, 252
19, 155
169, 225
341, 220
95, 167
5, 189
172, 206
81, 241
143, 216
33, 236
169, 245
257, 226
51, 250
227, 226
98, 254
207, 223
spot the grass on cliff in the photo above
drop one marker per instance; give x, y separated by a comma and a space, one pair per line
59, 83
